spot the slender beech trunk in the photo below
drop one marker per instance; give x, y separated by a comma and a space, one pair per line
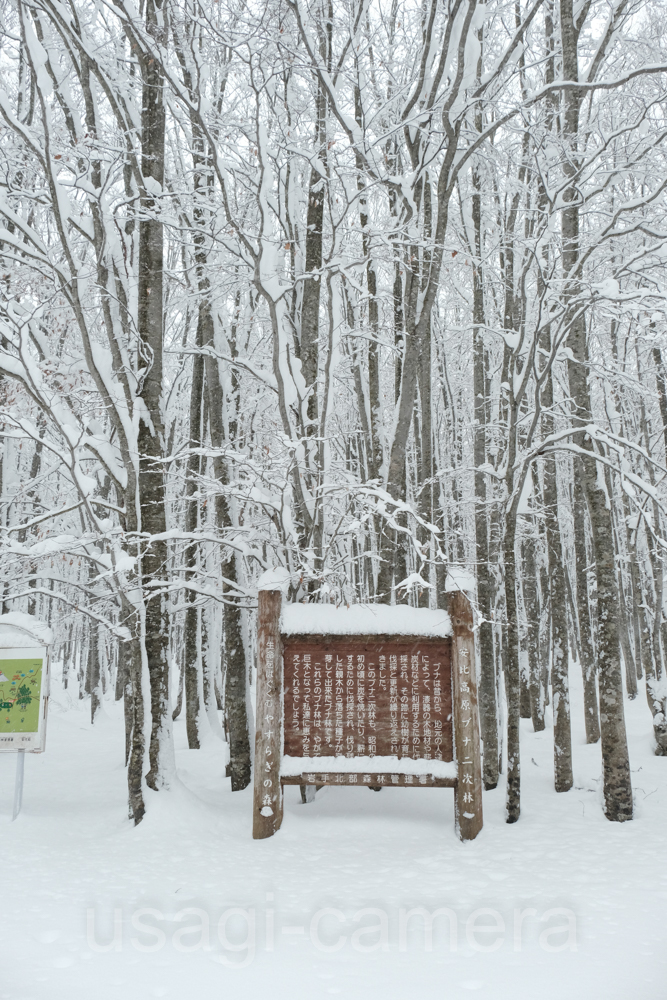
615, 759
512, 681
392, 549
653, 652
137, 712
635, 589
661, 381
624, 627
558, 611
93, 674
151, 491
586, 650
488, 706
656, 703
528, 590
559, 645
124, 691
180, 656
236, 673
532, 606
375, 456
234, 659
192, 665
309, 341
424, 426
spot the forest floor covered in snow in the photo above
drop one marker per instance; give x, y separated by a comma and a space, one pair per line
72, 860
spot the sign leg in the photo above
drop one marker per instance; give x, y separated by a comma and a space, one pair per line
308, 793
468, 793
18, 786
268, 792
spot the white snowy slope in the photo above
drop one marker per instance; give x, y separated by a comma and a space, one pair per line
342, 864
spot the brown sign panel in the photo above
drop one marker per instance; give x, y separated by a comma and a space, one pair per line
367, 696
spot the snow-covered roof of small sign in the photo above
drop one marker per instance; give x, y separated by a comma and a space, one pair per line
363, 619
18, 629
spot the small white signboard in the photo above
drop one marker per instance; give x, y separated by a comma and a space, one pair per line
24, 682
24, 675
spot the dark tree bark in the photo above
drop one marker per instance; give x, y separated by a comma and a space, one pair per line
192, 664
151, 492
512, 680
488, 707
616, 763
235, 668
558, 610
94, 678
532, 605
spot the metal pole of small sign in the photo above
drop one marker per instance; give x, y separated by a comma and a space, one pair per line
18, 785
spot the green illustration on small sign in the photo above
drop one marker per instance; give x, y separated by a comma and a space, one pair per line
20, 689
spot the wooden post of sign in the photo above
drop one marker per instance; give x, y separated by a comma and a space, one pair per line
468, 793
268, 795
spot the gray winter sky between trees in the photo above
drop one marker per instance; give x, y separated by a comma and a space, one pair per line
366, 290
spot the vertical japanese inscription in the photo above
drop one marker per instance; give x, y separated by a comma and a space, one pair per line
466, 724
306, 707
367, 697
267, 793
361, 705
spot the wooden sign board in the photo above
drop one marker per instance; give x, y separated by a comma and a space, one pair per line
367, 696
366, 709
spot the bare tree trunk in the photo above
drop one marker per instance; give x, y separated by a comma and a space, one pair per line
558, 613
135, 764
628, 658
374, 449
192, 664
178, 708
512, 680
94, 680
532, 606
124, 691
653, 695
151, 492
586, 651
424, 427
392, 549
236, 673
528, 590
488, 706
616, 763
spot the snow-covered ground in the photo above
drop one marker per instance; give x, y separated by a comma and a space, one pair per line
72, 861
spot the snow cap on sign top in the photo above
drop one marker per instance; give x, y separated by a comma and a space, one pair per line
277, 578
19, 629
459, 579
364, 619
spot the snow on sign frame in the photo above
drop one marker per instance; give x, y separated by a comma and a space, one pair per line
366, 695
24, 682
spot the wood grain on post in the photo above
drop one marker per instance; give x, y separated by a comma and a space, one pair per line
268, 796
468, 795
